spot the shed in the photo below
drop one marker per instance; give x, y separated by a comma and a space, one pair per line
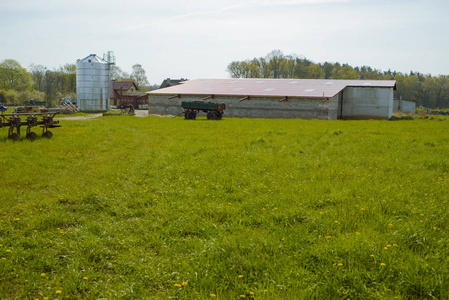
400, 105
282, 98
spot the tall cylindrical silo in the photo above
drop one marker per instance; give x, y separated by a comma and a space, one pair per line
92, 83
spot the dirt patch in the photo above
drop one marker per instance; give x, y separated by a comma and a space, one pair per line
138, 113
80, 117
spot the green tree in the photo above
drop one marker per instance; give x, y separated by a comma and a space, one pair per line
234, 69
327, 68
344, 72
13, 76
315, 72
10, 96
68, 74
27, 95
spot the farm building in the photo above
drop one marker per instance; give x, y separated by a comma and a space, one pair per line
126, 93
400, 105
282, 98
171, 82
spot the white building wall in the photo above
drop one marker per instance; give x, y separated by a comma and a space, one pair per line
256, 107
404, 106
367, 103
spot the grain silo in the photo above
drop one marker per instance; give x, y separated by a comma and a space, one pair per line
92, 82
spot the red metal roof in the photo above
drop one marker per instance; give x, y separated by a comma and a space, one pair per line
120, 85
301, 88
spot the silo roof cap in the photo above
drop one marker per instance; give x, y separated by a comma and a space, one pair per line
91, 58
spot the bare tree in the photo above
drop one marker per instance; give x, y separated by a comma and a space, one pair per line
139, 77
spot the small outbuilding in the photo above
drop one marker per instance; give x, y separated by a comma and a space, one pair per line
282, 98
407, 106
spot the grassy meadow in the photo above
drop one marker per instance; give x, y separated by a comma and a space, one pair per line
124, 207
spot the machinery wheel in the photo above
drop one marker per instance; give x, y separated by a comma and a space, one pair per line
186, 115
48, 134
219, 116
191, 115
211, 115
14, 136
31, 136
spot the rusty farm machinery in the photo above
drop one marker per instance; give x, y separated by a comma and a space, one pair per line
14, 121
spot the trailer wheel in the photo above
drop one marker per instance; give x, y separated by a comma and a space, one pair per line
219, 116
31, 136
191, 115
211, 115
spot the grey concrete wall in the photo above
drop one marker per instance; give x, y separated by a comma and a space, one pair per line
367, 103
404, 106
256, 107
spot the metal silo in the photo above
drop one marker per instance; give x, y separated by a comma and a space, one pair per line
92, 82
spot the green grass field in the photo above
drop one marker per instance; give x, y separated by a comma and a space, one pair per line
157, 208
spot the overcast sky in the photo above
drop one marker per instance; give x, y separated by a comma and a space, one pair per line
198, 39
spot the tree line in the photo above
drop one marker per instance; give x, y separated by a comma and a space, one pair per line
18, 84
426, 90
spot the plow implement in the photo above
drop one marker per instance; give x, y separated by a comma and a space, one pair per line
14, 121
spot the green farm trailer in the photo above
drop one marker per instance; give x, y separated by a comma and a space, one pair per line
192, 108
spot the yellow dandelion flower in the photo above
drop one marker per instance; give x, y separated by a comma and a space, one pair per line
372, 255
242, 296
382, 264
240, 276
58, 292
395, 245
42, 274
265, 291
8, 250
177, 285
336, 222
4, 258
85, 278
251, 293
184, 283
340, 264
213, 295
390, 224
